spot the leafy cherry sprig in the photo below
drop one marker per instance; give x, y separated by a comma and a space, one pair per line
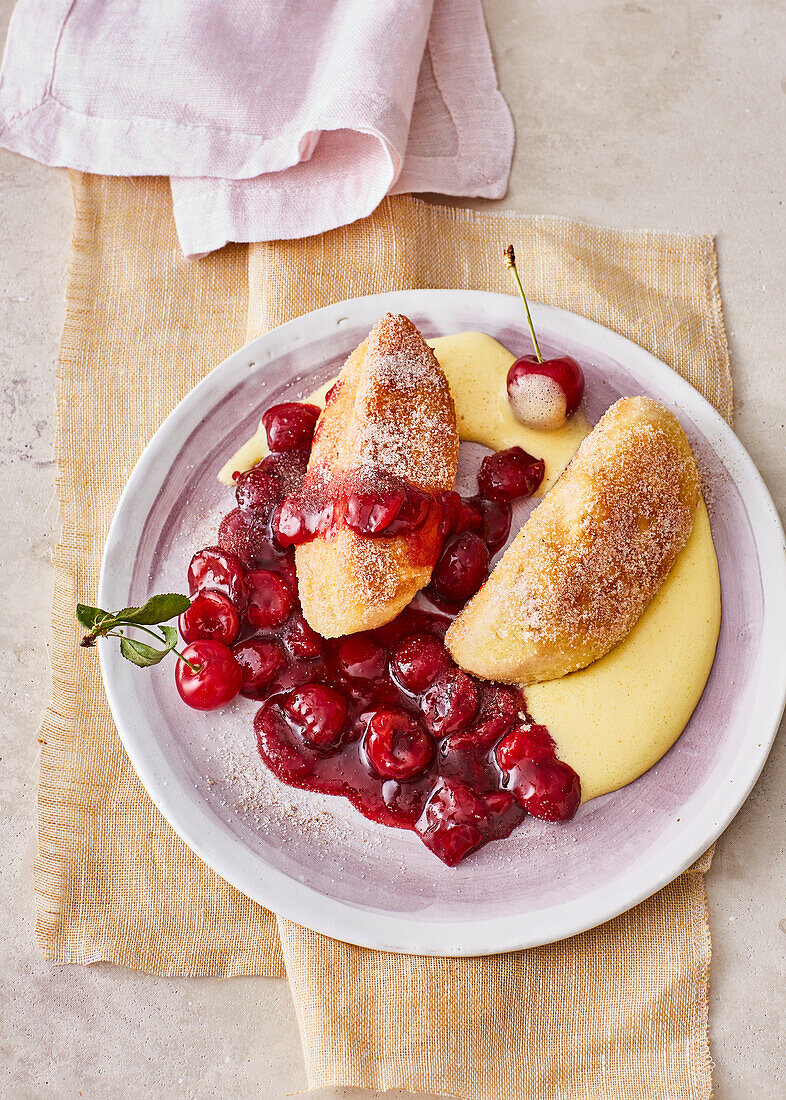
151, 618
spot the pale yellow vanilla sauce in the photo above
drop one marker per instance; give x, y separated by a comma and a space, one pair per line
616, 718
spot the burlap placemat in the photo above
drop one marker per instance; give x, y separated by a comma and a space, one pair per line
619, 1012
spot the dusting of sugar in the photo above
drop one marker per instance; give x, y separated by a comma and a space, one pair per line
592, 555
623, 543
240, 779
404, 403
393, 416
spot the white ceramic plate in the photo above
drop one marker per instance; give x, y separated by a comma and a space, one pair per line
314, 859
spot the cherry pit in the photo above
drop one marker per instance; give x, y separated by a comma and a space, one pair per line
384, 718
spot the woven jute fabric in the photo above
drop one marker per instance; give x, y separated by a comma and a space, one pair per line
619, 1012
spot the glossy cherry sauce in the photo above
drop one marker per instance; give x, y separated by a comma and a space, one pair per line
384, 718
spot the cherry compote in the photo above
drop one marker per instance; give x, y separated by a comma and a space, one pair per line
507, 475
384, 717
290, 426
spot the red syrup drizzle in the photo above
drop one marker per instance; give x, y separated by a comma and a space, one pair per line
384, 718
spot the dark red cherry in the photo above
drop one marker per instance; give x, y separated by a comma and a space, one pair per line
406, 800
291, 762
453, 821
220, 569
289, 468
461, 568
361, 657
500, 708
211, 615
297, 520
290, 426
454, 514
499, 803
248, 540
258, 490
301, 640
259, 660
414, 512
417, 660
547, 788
396, 745
494, 525
287, 570
451, 702
270, 600
480, 737
544, 394
524, 743
320, 713
370, 512
510, 474
213, 681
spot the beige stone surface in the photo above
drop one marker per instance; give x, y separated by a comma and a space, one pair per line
639, 115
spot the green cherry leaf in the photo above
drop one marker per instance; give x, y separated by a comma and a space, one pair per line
156, 610
144, 655
90, 617
138, 653
170, 637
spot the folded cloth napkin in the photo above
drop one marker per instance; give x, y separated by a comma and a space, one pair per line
272, 119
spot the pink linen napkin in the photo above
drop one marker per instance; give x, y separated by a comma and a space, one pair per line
273, 118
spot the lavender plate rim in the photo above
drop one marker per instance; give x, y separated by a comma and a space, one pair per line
391, 931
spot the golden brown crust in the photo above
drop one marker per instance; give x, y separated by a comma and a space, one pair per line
590, 558
390, 412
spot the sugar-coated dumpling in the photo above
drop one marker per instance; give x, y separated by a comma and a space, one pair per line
389, 416
583, 568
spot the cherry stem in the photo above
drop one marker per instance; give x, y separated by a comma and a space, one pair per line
510, 262
196, 669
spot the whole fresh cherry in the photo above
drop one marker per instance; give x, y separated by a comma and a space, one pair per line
211, 615
543, 393
290, 426
207, 676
